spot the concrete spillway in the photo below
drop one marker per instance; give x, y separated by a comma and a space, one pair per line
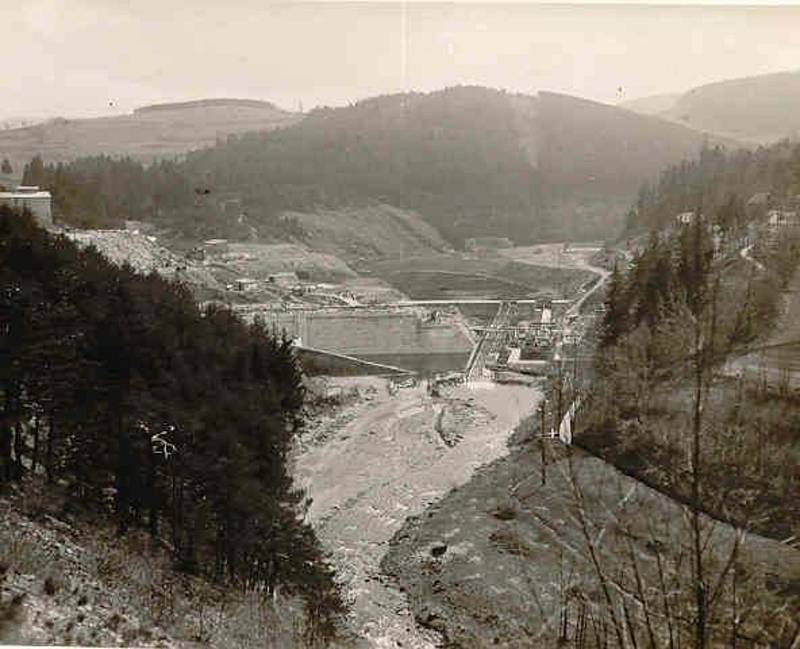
400, 338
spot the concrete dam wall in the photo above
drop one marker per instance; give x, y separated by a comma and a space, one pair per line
403, 338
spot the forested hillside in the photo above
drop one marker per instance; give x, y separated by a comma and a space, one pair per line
472, 161
719, 184
116, 388
673, 320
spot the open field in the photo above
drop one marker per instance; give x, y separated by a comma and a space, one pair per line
464, 275
551, 254
147, 133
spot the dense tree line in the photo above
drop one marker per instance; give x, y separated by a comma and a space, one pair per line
719, 181
117, 387
670, 277
103, 192
673, 282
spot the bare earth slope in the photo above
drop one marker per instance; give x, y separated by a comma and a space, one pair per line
144, 255
367, 232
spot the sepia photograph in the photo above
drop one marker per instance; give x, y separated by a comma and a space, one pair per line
400, 324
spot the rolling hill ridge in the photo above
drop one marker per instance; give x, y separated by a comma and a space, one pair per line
147, 133
470, 161
759, 109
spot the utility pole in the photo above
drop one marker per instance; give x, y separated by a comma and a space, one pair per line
560, 398
542, 445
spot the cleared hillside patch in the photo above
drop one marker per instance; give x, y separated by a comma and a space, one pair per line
367, 232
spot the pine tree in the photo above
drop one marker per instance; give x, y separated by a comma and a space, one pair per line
109, 360
616, 316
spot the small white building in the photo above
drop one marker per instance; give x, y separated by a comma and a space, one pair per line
215, 247
782, 219
685, 218
39, 202
245, 284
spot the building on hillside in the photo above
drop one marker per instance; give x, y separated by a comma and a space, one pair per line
684, 218
477, 244
778, 219
780, 223
244, 284
39, 202
214, 247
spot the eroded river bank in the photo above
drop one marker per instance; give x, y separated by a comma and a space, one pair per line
383, 459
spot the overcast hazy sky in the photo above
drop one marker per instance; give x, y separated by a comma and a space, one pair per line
100, 57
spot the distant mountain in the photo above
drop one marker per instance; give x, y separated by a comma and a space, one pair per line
757, 109
472, 161
651, 105
149, 132
20, 121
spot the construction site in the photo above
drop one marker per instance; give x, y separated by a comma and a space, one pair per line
379, 451
343, 322
408, 396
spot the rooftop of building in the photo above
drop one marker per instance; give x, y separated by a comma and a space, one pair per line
26, 191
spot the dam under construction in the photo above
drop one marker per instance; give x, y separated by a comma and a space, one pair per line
478, 338
408, 338
343, 329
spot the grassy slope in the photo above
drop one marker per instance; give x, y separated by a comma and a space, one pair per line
367, 232
760, 108
144, 134
505, 543
68, 579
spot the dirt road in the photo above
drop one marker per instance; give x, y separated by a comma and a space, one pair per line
388, 463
